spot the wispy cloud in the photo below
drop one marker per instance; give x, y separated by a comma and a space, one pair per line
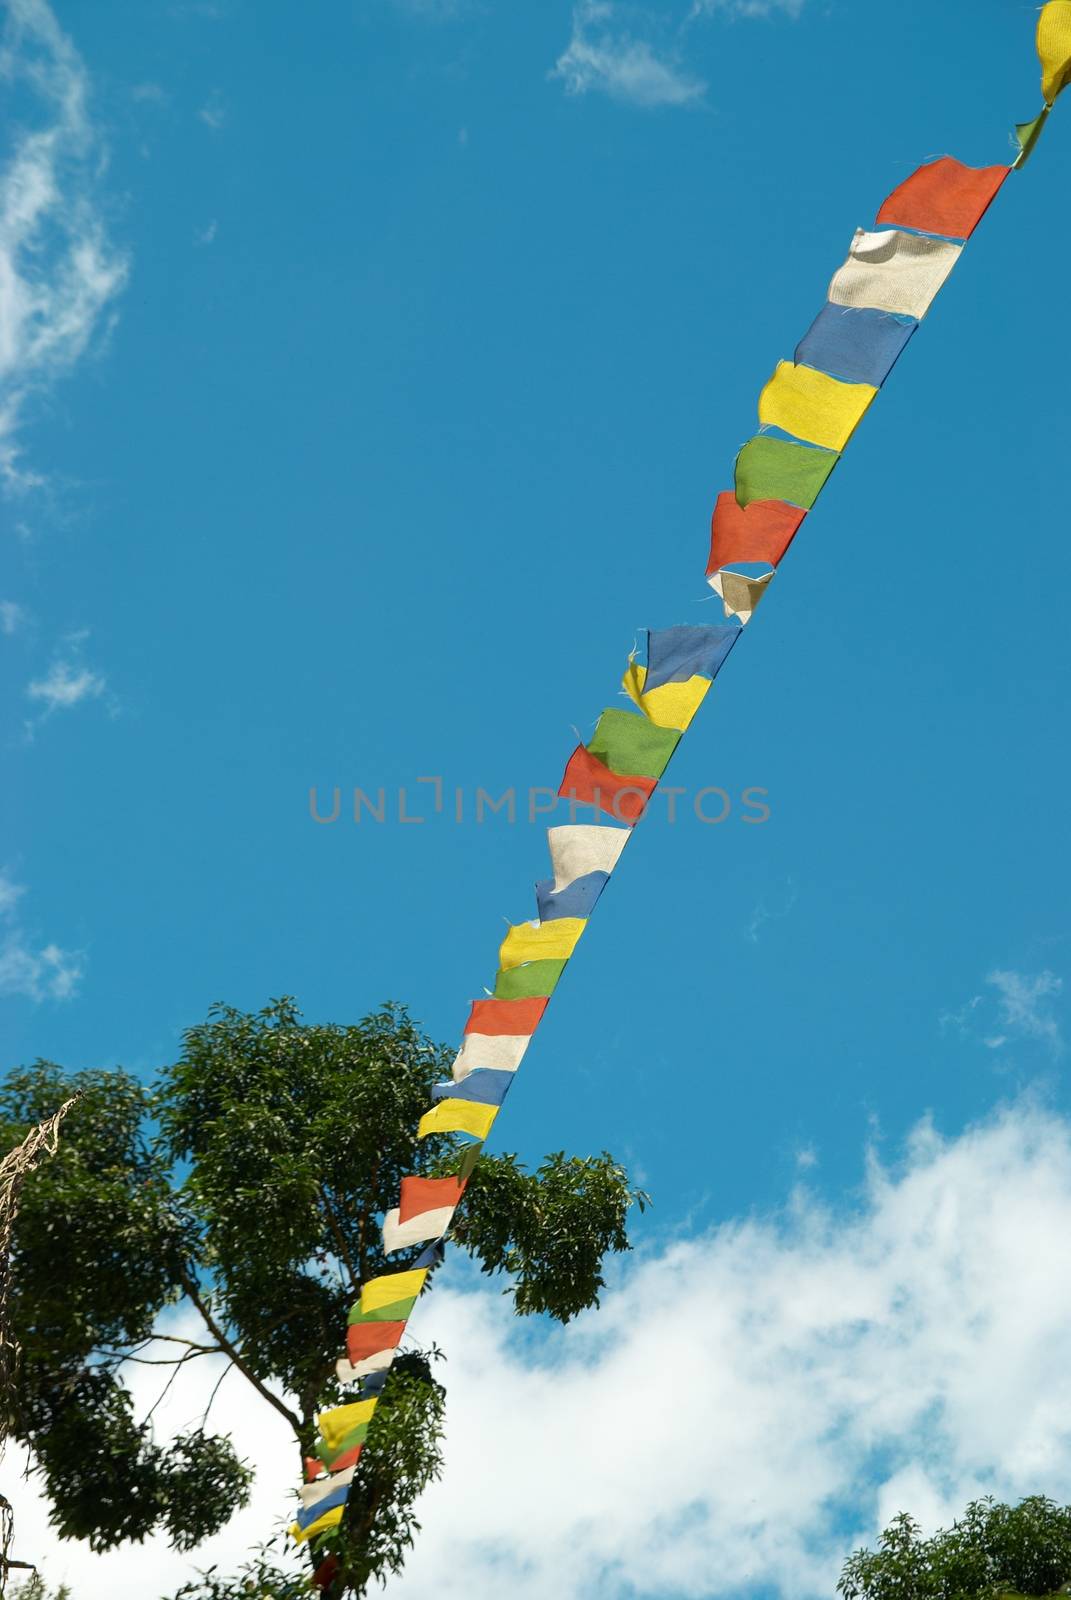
1022, 1007
819, 1371
604, 55
207, 235
213, 113
59, 273
65, 685
748, 8
13, 617
149, 94
764, 912
1026, 1006
36, 972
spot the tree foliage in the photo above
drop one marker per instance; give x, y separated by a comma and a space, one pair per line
993, 1550
247, 1186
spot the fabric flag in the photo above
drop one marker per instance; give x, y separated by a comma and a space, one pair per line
577, 899
483, 1087
330, 1519
398, 1235
336, 1496
505, 1016
740, 595
458, 1116
1027, 134
761, 531
1054, 48
502, 1052
777, 469
531, 979
392, 1286
435, 1253
944, 197
579, 848
418, 1196
336, 1424
855, 343
632, 746
313, 1493
536, 941
349, 1371
813, 406
367, 1339
893, 271
671, 705
692, 650
589, 780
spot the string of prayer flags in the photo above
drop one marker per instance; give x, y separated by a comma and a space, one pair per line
759, 531
813, 406
776, 469
875, 303
893, 271
1054, 48
944, 197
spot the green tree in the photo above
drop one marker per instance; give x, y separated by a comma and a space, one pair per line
994, 1550
247, 1185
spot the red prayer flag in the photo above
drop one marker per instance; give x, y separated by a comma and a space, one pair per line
325, 1572
364, 1339
427, 1194
944, 197
759, 531
348, 1458
588, 779
506, 1016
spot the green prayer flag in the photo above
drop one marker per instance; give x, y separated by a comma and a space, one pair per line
776, 469
632, 746
528, 982
397, 1311
1028, 134
352, 1439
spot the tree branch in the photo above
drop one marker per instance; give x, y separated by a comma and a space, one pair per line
339, 1237
228, 1349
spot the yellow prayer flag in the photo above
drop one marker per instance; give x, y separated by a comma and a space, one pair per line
671, 705
541, 941
330, 1519
336, 1424
812, 406
1054, 48
458, 1116
386, 1291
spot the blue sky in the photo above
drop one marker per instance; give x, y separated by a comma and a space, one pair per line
373, 377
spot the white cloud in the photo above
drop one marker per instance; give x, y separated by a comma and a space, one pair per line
604, 55
1025, 1008
207, 235
12, 617
748, 8
45, 972
58, 270
66, 683
213, 113
746, 1407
